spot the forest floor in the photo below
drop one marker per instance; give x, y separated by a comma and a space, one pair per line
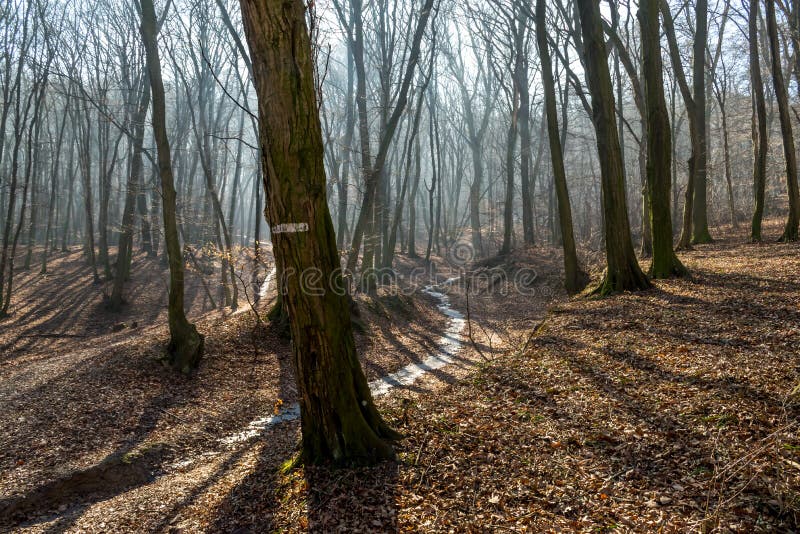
673, 409
89, 414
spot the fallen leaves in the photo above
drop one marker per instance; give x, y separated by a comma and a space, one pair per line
669, 410
673, 410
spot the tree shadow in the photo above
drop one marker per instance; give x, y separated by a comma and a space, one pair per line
353, 500
660, 443
65, 306
131, 465
336, 500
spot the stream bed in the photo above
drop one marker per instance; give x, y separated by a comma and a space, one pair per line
447, 346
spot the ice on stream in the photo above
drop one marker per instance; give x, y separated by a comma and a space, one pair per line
448, 345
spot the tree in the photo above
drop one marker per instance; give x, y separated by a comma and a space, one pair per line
476, 131
340, 422
782, 96
521, 80
695, 110
623, 272
721, 89
125, 245
388, 253
366, 228
659, 146
574, 278
700, 232
760, 140
186, 344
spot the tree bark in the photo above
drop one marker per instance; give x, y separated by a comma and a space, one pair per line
84, 160
760, 140
340, 422
623, 272
782, 96
574, 277
659, 146
186, 344
521, 75
700, 233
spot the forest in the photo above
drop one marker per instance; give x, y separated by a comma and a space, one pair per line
399, 266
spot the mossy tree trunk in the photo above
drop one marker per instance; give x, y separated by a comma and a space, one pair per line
186, 344
782, 96
340, 422
574, 278
760, 141
623, 272
659, 146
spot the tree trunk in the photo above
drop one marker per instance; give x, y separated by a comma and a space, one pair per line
781, 94
84, 159
511, 143
659, 146
760, 141
146, 244
574, 277
68, 216
697, 140
33, 221
347, 147
340, 422
186, 344
435, 177
521, 75
54, 172
125, 246
623, 272
104, 193
412, 204
646, 250
726, 148
700, 232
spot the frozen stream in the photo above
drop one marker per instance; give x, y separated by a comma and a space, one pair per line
447, 347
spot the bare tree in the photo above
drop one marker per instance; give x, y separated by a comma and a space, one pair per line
339, 420
186, 344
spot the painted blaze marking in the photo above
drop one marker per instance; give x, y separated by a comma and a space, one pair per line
290, 228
